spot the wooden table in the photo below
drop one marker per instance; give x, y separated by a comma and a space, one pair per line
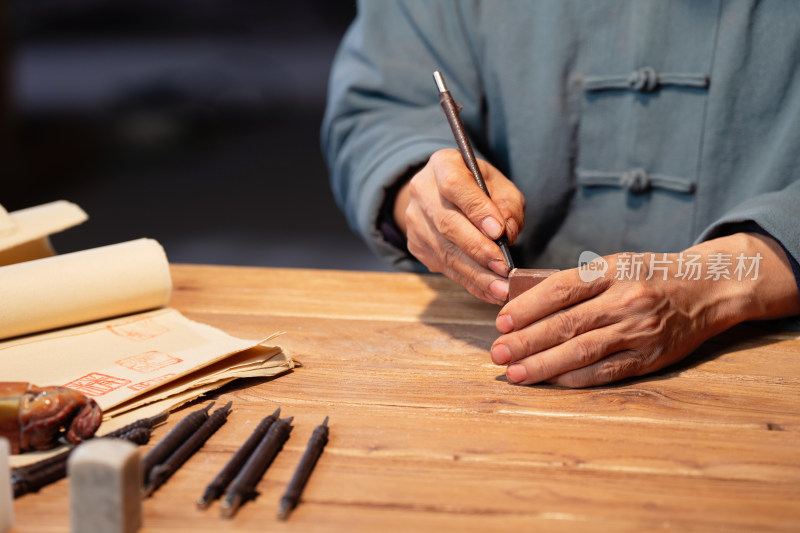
426, 434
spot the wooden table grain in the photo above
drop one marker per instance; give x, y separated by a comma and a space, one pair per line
426, 434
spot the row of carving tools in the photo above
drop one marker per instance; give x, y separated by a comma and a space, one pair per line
237, 480
239, 477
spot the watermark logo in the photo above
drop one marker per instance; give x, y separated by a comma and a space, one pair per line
591, 266
684, 266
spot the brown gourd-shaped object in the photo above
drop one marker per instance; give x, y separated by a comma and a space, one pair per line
36, 418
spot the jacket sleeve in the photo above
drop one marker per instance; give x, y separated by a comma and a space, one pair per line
776, 213
383, 115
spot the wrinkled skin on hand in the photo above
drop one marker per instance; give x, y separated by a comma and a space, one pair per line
575, 333
450, 223
44, 415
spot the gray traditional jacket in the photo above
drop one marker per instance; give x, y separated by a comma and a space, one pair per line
628, 125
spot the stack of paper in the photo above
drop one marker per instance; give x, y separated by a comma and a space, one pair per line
94, 321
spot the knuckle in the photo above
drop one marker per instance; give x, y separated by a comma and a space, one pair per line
566, 326
459, 189
421, 253
448, 223
538, 369
476, 206
420, 184
512, 199
434, 266
618, 368
449, 256
522, 345
640, 291
635, 294
651, 358
583, 351
480, 250
606, 373
414, 187
562, 290
652, 324
443, 156
412, 217
451, 182
415, 249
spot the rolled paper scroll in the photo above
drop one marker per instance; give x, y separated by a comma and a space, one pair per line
83, 286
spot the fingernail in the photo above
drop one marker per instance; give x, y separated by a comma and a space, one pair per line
499, 267
499, 288
501, 355
511, 227
516, 373
504, 324
492, 228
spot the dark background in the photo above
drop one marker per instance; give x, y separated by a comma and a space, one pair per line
193, 122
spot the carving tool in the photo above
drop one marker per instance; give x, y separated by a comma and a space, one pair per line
314, 449
452, 110
162, 472
217, 487
243, 487
176, 436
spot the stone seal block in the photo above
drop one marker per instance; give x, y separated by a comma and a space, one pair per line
522, 279
105, 483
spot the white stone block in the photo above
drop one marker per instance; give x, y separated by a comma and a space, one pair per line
105, 483
6, 494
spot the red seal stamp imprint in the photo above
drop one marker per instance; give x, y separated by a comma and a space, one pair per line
97, 384
148, 361
138, 329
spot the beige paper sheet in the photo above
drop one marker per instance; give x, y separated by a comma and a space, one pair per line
159, 358
83, 286
263, 361
115, 360
34, 223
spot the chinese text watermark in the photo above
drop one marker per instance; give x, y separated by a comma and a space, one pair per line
686, 266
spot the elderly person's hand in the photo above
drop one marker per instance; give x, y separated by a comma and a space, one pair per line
577, 334
450, 223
